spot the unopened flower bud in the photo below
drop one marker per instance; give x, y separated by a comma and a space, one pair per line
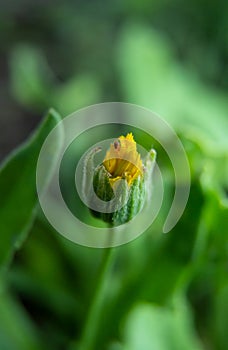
121, 182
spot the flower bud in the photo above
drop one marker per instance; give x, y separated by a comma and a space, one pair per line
120, 182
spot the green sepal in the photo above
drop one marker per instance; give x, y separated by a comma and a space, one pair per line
134, 195
103, 190
101, 184
88, 172
149, 161
135, 202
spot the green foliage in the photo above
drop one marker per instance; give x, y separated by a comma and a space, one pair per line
34, 84
32, 79
18, 188
165, 292
151, 78
17, 331
150, 327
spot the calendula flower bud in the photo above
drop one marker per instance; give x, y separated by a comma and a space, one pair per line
120, 185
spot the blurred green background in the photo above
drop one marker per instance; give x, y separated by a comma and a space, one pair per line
165, 292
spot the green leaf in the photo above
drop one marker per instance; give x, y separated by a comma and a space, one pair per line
221, 317
34, 84
150, 327
16, 329
70, 96
18, 187
151, 77
31, 78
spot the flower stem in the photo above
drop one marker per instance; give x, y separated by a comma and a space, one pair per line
92, 324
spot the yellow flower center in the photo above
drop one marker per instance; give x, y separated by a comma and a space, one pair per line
122, 160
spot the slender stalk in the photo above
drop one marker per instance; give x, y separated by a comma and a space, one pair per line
91, 328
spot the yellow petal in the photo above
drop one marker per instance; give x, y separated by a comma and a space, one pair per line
122, 159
